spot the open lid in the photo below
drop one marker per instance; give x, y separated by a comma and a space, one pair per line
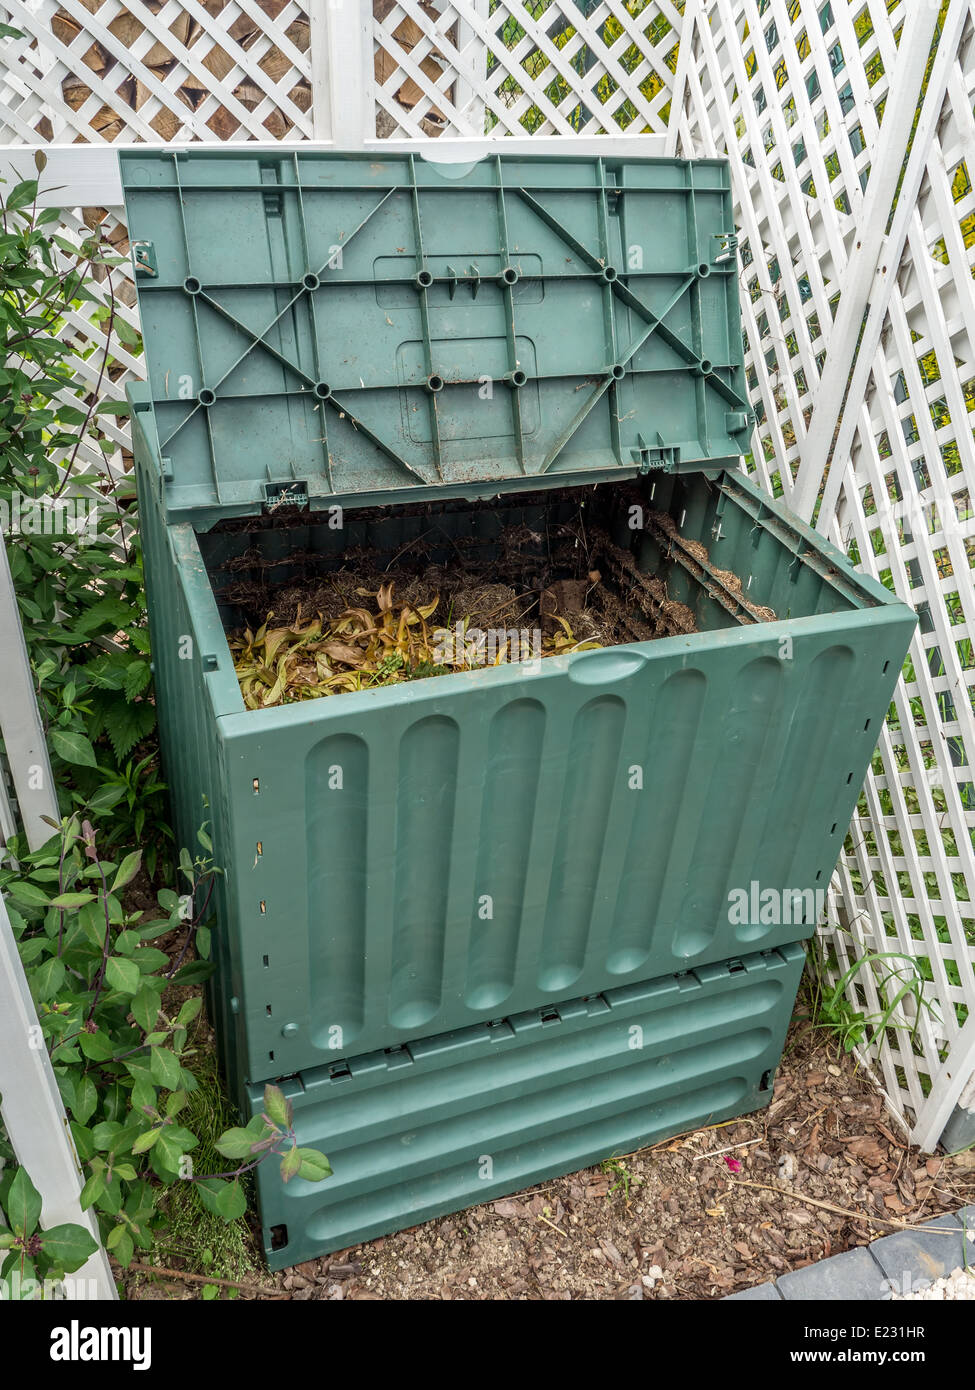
359, 327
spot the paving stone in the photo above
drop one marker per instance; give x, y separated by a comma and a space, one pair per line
852, 1275
760, 1292
914, 1259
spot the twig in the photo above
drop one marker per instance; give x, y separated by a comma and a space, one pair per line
715, 1152
562, 1233
204, 1279
846, 1211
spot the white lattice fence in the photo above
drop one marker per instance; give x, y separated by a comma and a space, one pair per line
99, 70
517, 67
816, 106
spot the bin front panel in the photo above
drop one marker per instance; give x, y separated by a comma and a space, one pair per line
429, 855
460, 1119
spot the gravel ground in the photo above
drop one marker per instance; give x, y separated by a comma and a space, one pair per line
959, 1284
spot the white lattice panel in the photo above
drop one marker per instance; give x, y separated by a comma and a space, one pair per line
517, 67
804, 98
98, 70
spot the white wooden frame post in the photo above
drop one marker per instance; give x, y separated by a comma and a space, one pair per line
20, 720
35, 1120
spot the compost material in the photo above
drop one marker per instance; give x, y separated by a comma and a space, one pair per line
368, 624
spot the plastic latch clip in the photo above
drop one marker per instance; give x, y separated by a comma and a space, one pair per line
656, 458
289, 494
144, 259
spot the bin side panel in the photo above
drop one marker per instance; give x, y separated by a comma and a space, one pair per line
460, 1119
444, 852
191, 750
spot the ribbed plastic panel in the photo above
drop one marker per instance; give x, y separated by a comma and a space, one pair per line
329, 321
441, 852
465, 1117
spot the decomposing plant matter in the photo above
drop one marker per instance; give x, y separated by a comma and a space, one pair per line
455, 599
362, 648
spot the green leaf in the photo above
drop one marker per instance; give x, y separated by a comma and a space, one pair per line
127, 724
128, 869
32, 948
137, 677
97, 1047
22, 194
72, 899
83, 1140
148, 959
85, 1100
188, 1011
314, 1165
165, 1068
208, 1190
169, 1150
23, 1204
123, 975
290, 1164
231, 1203
92, 1190
194, 973
113, 408
105, 1133
175, 1102
73, 747
48, 978
145, 1141
234, 1143
278, 1109
145, 1008
68, 1245
105, 798
124, 1248
23, 891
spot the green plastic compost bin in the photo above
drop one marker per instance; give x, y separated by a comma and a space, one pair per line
348, 353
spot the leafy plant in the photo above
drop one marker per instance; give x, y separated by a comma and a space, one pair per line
35, 1256
123, 1050
71, 537
897, 978
616, 1168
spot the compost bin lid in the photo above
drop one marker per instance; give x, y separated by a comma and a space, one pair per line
360, 326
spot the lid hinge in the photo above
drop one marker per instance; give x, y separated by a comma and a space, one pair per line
655, 458
739, 422
144, 259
